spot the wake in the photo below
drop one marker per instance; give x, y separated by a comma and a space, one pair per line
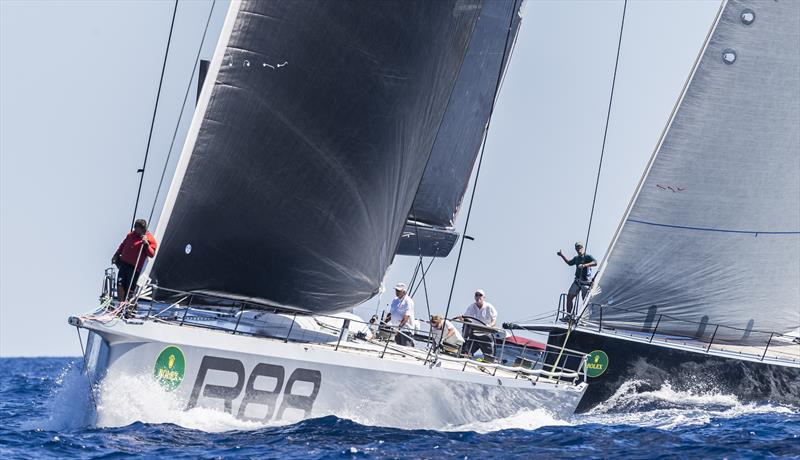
122, 400
667, 408
70, 402
663, 408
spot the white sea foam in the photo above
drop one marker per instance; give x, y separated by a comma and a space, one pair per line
664, 408
523, 420
121, 400
667, 408
70, 404
125, 399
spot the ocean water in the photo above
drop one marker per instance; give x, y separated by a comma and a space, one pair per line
46, 411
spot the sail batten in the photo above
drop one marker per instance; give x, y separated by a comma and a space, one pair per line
306, 156
713, 234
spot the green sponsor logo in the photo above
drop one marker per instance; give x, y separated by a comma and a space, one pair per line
170, 366
596, 363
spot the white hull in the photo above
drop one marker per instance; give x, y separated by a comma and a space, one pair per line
271, 380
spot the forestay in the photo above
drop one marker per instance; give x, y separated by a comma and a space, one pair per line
460, 136
307, 147
713, 233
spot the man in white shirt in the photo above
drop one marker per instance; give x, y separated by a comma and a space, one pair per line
402, 315
452, 337
486, 314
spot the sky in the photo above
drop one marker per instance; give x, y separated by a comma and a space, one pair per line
78, 82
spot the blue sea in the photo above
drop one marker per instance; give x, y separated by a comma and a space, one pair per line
46, 411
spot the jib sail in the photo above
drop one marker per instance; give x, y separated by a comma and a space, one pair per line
713, 234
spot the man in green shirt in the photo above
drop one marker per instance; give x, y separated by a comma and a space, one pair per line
583, 273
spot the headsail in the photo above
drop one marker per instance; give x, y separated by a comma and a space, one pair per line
307, 148
713, 233
430, 229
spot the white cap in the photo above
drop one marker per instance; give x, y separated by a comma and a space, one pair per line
400, 287
480, 291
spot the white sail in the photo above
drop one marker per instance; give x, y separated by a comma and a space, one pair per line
713, 233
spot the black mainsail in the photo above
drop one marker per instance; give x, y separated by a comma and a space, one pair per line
307, 148
430, 230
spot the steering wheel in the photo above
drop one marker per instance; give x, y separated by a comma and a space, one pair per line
473, 319
470, 330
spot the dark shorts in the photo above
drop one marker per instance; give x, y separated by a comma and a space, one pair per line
579, 286
404, 339
484, 343
127, 276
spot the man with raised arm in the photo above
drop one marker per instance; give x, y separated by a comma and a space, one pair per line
583, 273
137, 246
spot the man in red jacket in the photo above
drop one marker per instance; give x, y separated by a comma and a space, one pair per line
137, 246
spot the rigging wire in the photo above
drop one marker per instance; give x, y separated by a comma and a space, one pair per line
424, 272
414, 276
183, 107
86, 367
155, 111
498, 83
605, 131
532, 319
449, 98
573, 324
378, 306
425, 288
420, 264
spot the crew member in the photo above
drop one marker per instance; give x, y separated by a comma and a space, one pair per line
583, 273
137, 246
487, 315
402, 315
452, 337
